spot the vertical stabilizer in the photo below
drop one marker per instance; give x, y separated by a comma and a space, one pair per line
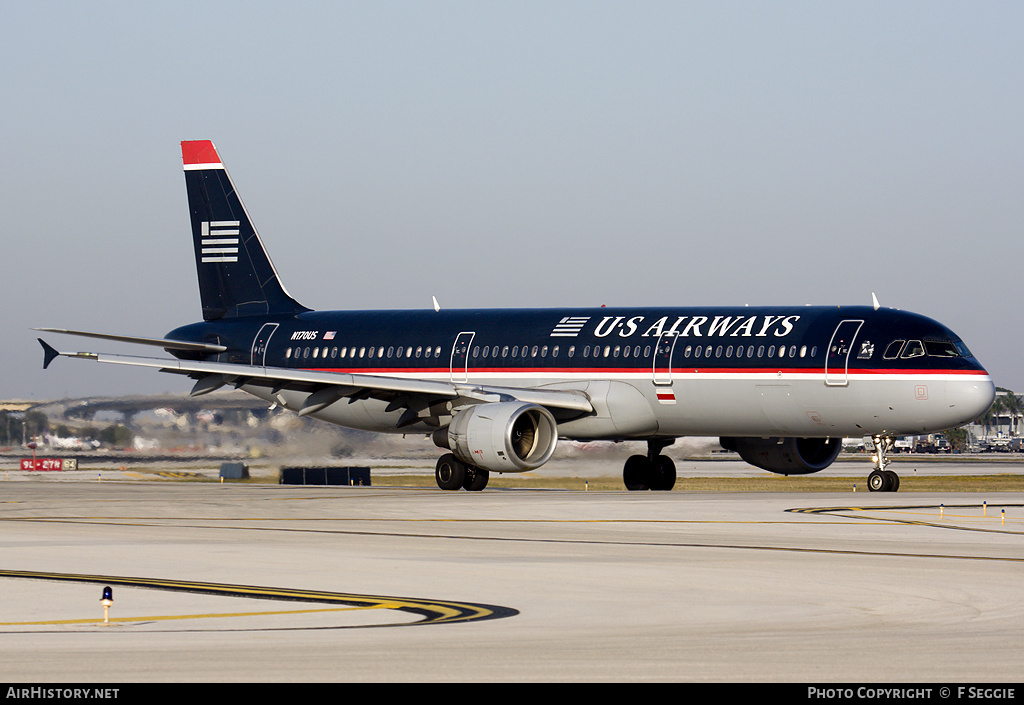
236, 277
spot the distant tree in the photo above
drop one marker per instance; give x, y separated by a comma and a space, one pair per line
116, 435
1012, 406
36, 423
991, 416
957, 438
10, 428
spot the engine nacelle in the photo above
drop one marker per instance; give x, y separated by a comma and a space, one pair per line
786, 456
501, 436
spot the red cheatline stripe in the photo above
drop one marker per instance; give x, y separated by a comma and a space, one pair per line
635, 370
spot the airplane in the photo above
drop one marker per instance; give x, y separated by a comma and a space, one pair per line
497, 389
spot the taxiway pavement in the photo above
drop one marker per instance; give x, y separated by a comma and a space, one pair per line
242, 582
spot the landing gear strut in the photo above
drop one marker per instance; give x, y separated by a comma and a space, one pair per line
880, 479
653, 471
453, 474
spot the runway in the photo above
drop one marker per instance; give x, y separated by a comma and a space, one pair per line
269, 583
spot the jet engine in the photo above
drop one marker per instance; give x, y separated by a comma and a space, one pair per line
786, 456
501, 436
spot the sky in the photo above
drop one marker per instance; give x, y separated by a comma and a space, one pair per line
512, 154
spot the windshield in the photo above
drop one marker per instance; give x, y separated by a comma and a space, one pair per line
907, 349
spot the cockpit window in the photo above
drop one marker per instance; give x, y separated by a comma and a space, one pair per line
940, 348
933, 348
914, 349
893, 351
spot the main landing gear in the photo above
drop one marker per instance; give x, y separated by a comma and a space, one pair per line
880, 479
453, 474
653, 471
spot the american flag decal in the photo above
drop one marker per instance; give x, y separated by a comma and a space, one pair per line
666, 396
569, 327
220, 241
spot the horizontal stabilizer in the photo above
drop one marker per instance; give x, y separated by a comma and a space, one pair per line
158, 342
49, 353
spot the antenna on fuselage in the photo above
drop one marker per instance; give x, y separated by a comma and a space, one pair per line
874, 301
437, 306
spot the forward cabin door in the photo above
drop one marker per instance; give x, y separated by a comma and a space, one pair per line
460, 357
837, 357
259, 345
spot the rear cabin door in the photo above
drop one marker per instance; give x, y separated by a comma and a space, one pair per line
259, 345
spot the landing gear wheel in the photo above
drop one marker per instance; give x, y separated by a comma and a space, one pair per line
476, 479
663, 473
653, 471
880, 481
450, 472
636, 473
894, 481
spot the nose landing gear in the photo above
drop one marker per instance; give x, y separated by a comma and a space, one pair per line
880, 479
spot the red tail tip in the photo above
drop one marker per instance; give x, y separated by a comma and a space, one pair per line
199, 152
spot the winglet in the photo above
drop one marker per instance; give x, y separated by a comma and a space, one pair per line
49, 353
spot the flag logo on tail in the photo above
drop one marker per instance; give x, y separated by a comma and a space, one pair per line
220, 241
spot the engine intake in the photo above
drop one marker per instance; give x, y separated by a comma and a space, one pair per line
786, 456
501, 436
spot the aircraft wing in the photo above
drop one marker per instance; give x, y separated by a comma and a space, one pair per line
325, 388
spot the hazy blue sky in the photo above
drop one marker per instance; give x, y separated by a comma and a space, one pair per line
513, 153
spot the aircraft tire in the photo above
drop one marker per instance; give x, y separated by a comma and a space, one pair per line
894, 481
879, 481
663, 474
476, 479
450, 472
636, 474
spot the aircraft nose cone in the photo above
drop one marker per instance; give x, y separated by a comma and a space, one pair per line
971, 398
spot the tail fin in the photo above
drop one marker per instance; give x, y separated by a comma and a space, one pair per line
236, 277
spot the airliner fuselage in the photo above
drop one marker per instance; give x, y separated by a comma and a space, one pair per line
800, 371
